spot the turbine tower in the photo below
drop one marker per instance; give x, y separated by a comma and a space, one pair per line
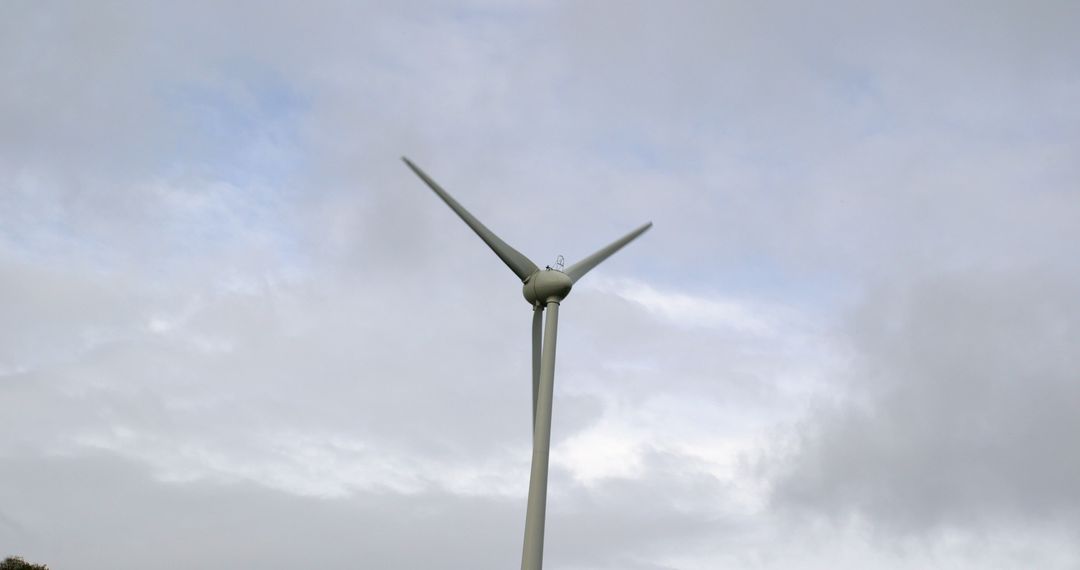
543, 289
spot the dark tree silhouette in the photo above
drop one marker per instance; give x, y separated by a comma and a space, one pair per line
16, 563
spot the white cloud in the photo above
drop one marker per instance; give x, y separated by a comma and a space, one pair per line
686, 310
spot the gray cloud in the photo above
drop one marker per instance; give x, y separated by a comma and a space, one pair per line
962, 410
225, 298
145, 522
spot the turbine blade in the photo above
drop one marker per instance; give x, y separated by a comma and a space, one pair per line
537, 333
522, 266
579, 269
532, 551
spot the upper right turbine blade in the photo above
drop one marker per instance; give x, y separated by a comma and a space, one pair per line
522, 266
579, 269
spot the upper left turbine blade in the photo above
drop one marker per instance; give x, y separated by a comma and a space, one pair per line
522, 266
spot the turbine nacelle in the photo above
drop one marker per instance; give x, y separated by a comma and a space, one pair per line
545, 286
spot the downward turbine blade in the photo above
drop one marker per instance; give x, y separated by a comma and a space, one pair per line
579, 269
522, 266
537, 340
532, 551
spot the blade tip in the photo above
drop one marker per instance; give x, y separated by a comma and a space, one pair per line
416, 169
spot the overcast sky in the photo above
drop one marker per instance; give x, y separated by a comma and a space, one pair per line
236, 332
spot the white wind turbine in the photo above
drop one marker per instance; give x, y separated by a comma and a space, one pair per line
543, 289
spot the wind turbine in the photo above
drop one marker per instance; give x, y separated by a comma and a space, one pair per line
543, 289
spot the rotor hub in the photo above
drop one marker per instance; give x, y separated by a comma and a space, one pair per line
547, 285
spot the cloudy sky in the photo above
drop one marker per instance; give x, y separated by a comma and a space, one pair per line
236, 332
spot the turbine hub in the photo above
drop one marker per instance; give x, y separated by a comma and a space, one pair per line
547, 285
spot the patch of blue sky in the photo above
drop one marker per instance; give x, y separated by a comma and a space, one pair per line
486, 13
756, 276
242, 127
858, 95
633, 153
240, 149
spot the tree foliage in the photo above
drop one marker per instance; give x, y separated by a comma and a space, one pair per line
16, 563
